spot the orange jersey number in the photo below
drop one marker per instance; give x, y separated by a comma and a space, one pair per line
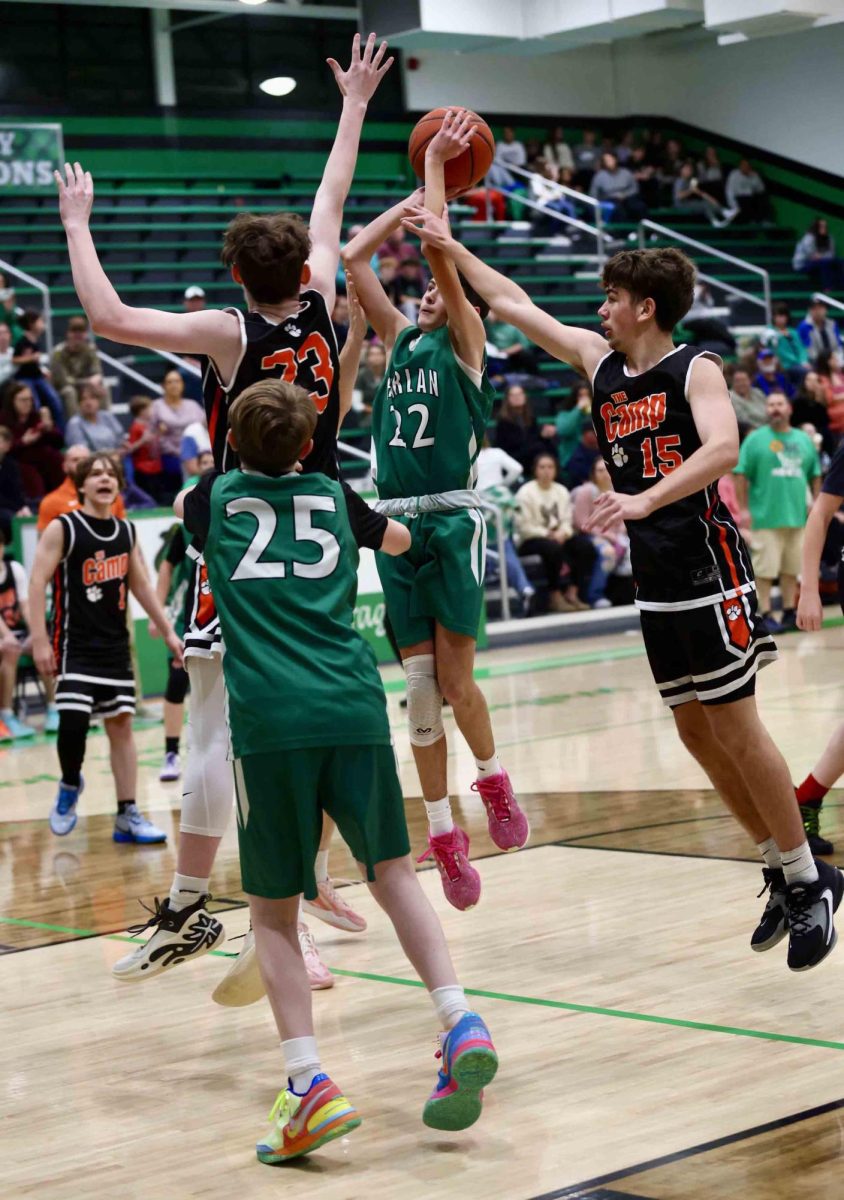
315, 352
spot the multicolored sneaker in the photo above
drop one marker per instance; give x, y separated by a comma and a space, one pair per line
18, 729
461, 882
469, 1063
171, 768
132, 826
63, 813
301, 1124
810, 815
319, 976
177, 936
508, 825
329, 907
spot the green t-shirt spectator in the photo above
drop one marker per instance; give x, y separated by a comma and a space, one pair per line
778, 467
503, 336
787, 346
570, 426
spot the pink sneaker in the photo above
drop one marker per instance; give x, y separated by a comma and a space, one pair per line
319, 976
461, 882
508, 825
329, 907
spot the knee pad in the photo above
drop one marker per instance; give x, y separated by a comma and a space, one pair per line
208, 793
424, 700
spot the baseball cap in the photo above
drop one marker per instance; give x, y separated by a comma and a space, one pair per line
193, 292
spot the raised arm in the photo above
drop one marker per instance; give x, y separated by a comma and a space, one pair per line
383, 316
810, 609
48, 554
581, 348
357, 85
350, 354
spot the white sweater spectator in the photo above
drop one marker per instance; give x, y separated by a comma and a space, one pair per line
541, 511
557, 151
496, 468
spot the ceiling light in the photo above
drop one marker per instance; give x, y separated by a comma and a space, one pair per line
280, 85
253, 1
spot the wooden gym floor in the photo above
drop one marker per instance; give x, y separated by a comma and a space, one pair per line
646, 1053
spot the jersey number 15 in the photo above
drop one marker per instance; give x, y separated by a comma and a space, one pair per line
668, 457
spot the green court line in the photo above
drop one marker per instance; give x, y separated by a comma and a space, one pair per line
536, 1001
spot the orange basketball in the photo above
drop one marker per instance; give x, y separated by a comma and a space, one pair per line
462, 172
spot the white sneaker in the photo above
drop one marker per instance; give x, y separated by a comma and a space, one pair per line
319, 976
133, 826
177, 936
171, 768
242, 984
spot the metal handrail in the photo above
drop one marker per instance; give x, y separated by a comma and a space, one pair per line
181, 363
47, 311
829, 301
131, 372
598, 230
674, 235
494, 511
566, 220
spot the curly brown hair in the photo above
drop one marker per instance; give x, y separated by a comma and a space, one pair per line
270, 422
665, 276
269, 252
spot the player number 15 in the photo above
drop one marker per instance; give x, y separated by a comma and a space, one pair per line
668, 457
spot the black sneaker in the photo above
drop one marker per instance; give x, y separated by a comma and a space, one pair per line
176, 936
788, 621
811, 931
810, 814
769, 624
773, 925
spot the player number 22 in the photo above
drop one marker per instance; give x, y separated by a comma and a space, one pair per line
252, 566
419, 441
668, 457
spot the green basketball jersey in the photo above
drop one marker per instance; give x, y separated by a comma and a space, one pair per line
428, 418
282, 564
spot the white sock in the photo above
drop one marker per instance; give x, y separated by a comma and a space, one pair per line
770, 852
449, 1002
798, 865
301, 1059
321, 866
186, 890
439, 816
488, 766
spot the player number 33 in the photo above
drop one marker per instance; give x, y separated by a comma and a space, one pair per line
252, 566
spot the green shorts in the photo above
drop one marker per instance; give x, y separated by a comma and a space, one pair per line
441, 577
281, 797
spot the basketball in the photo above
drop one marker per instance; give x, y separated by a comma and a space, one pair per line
462, 172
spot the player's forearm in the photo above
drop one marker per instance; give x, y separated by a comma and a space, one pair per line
814, 539
142, 590
705, 466
162, 583
340, 167
498, 291
38, 609
362, 247
349, 364
742, 490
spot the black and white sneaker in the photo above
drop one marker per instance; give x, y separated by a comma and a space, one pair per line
810, 909
176, 936
773, 925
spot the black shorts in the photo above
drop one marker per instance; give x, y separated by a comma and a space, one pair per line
710, 654
99, 691
203, 637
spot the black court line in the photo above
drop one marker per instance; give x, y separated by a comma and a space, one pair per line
580, 1191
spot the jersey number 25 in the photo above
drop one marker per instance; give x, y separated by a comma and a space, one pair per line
253, 566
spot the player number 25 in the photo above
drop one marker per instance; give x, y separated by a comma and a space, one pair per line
419, 441
251, 566
668, 457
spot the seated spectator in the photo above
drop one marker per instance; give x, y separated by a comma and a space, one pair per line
410, 285
543, 190
518, 433
92, 426
708, 331
8, 308
814, 255
557, 150
748, 401
544, 527
810, 408
7, 354
690, 195
144, 449
171, 414
612, 548
618, 191
625, 148
587, 158
370, 373
668, 169
12, 500
497, 472
15, 638
195, 443
340, 318
746, 194
645, 175
769, 378
574, 416
509, 152
388, 269
829, 368
396, 246
35, 441
74, 362
27, 360
786, 344
489, 203
818, 332
710, 173
65, 498
514, 351
580, 464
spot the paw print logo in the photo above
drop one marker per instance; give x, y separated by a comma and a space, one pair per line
205, 586
94, 594
619, 455
733, 612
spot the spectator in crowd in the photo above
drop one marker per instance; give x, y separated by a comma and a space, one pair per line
194, 299
769, 378
809, 407
645, 175
574, 416
625, 148
65, 498
579, 466
517, 431
829, 369
388, 269
7, 354
27, 360
787, 344
144, 449
514, 350
814, 255
612, 548
818, 332
710, 174
557, 150
746, 193
668, 169
15, 638
776, 466
8, 308
707, 330
92, 426
544, 526
340, 319
74, 362
195, 442
396, 246
616, 188
748, 401
690, 195
544, 190
370, 373
35, 440
497, 473
171, 414
410, 285
12, 500
509, 152
587, 158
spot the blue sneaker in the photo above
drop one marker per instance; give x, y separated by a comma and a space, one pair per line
469, 1063
51, 719
132, 826
63, 812
18, 729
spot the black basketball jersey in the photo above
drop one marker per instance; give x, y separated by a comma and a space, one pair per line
690, 552
90, 592
302, 349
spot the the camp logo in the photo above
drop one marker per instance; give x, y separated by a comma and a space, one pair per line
102, 569
619, 397
633, 416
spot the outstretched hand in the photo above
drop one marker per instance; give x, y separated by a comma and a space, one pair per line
454, 135
357, 317
430, 229
76, 195
365, 72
